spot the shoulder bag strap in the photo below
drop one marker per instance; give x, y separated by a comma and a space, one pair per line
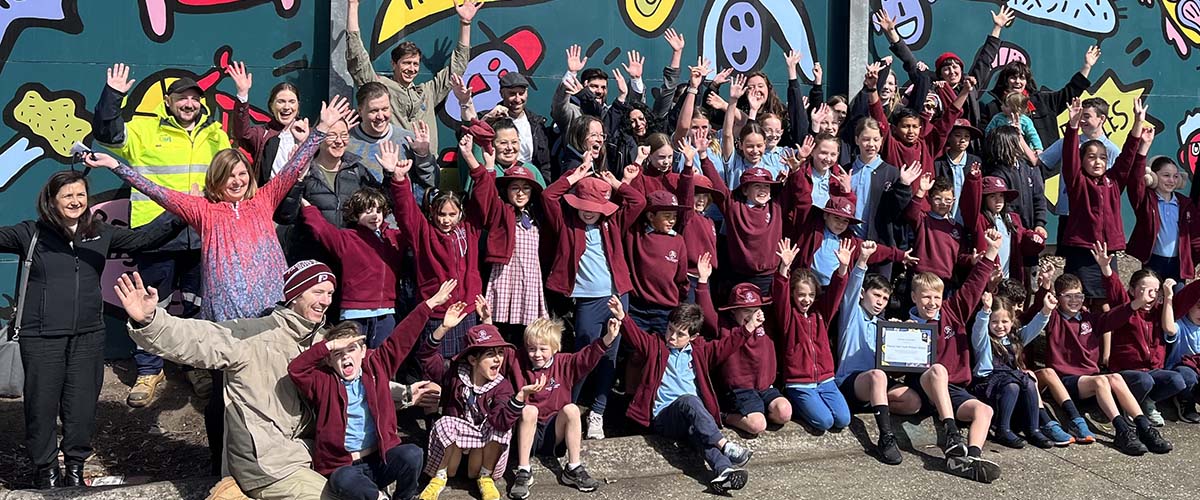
22, 283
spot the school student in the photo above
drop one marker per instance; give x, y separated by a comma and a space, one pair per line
937, 237
1181, 328
1162, 234
956, 161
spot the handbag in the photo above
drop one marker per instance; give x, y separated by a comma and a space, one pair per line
12, 373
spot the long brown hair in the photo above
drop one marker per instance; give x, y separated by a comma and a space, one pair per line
1000, 351
221, 169
48, 213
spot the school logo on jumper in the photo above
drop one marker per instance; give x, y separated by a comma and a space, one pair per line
672, 257
551, 385
954, 233
947, 332
760, 332
1085, 328
768, 214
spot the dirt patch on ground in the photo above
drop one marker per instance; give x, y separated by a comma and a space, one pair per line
165, 440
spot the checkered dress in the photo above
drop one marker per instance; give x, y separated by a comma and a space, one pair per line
515, 289
467, 434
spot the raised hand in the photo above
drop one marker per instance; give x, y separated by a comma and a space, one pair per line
489, 159
1091, 57
443, 294
845, 252
583, 170
687, 151
865, 250
1049, 302
985, 300
993, 240
612, 180
817, 73
459, 87
100, 160
299, 130
756, 100
455, 314
483, 309
787, 254
738, 88
926, 183
622, 87
615, 308
419, 141
674, 39
612, 330
715, 101
871, 77
118, 78
389, 155
1045, 275
139, 300
885, 22
242, 79
910, 173
975, 169
1075, 112
572, 85
1004, 17
337, 109
466, 147
793, 57
532, 389
344, 342
704, 267
635, 66
468, 9
909, 259
631, 171
722, 76
804, 151
575, 62
402, 169
1100, 253
353, 119
1168, 289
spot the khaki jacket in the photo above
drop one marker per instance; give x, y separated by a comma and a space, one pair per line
266, 421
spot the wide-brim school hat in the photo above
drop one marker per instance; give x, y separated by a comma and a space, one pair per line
993, 184
591, 194
745, 295
840, 206
518, 173
482, 337
701, 184
662, 201
758, 175
963, 123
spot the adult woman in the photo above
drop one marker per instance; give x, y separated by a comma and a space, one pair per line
585, 139
268, 146
62, 325
1044, 105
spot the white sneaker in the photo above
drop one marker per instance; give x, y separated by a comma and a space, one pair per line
1152, 413
595, 425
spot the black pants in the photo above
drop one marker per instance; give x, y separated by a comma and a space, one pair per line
63, 376
365, 477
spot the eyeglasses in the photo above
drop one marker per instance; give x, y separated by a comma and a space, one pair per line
337, 137
1071, 296
597, 135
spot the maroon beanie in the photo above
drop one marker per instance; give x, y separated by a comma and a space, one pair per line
304, 275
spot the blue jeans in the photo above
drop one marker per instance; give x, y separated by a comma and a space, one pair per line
168, 272
591, 316
821, 408
377, 329
686, 418
1155, 384
649, 318
363, 479
1190, 377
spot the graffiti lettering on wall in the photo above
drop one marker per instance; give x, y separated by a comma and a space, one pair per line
158, 16
649, 18
738, 33
1093, 18
397, 18
914, 21
15, 16
520, 50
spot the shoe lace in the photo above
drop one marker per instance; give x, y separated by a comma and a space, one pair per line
581, 473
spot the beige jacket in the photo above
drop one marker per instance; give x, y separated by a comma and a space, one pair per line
411, 103
266, 421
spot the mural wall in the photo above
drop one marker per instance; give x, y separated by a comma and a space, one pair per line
53, 54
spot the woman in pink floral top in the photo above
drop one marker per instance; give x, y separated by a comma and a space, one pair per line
241, 257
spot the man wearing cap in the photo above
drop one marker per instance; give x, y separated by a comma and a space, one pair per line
411, 103
531, 127
265, 417
172, 149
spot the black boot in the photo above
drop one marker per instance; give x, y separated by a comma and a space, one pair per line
74, 475
47, 477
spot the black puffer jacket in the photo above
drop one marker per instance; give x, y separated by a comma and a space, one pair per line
63, 296
297, 240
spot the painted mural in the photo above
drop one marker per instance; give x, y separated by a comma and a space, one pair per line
53, 54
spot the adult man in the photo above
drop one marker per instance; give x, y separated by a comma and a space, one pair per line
376, 127
265, 418
173, 149
531, 127
411, 103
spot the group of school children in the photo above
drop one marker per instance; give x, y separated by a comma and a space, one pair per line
715, 276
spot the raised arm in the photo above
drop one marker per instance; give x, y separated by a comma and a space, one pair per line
189, 208
439, 86
337, 109
399, 344
191, 342
125, 240
108, 126
358, 61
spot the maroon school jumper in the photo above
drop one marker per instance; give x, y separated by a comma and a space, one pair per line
649, 181
651, 352
931, 140
699, 232
1137, 338
938, 240
953, 338
752, 233
564, 371
751, 366
1098, 217
325, 392
1145, 230
568, 249
659, 261
809, 226
498, 216
1022, 242
1073, 343
500, 407
805, 355
440, 256
368, 261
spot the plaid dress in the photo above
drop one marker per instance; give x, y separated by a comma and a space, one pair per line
515, 289
469, 433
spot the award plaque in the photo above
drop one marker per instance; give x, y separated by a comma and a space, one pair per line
904, 347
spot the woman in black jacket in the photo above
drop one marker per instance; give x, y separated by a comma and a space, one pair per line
62, 325
1044, 105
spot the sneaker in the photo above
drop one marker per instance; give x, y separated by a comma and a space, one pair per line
973, 468
433, 489
145, 389
1078, 427
1186, 409
595, 425
1154, 441
889, 452
1150, 408
1128, 443
522, 480
487, 489
580, 479
1008, 438
201, 382
951, 443
1036, 438
1055, 433
737, 454
729, 479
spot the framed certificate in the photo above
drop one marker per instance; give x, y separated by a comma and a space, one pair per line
904, 347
